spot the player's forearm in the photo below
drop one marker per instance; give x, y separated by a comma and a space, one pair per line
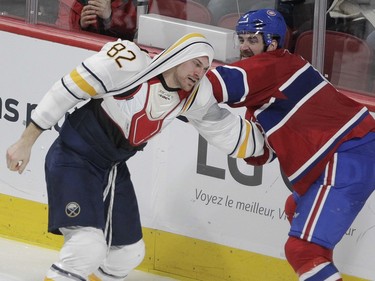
31, 134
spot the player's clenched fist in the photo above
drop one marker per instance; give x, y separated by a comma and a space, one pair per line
18, 154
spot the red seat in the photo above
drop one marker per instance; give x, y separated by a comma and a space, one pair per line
182, 9
289, 38
347, 58
229, 21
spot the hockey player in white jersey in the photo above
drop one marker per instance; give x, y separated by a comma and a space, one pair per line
129, 99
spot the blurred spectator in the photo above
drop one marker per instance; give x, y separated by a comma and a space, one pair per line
342, 15
346, 16
116, 18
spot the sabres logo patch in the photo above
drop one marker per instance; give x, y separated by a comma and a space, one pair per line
72, 209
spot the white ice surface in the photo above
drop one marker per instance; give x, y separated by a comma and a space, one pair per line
24, 262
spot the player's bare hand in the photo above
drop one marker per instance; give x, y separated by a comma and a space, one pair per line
18, 156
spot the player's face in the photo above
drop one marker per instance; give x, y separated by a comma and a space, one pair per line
189, 73
251, 44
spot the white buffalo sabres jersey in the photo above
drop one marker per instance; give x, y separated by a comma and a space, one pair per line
141, 109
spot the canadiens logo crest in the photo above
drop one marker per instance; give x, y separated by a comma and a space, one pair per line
72, 209
271, 13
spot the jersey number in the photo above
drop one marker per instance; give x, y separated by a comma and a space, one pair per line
114, 53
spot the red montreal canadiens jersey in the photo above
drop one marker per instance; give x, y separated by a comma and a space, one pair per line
303, 117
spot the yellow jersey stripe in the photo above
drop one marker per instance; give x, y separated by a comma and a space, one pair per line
190, 99
93, 277
243, 147
81, 83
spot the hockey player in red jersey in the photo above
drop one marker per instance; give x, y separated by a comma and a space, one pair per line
323, 140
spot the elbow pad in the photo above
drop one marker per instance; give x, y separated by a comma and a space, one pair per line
53, 107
